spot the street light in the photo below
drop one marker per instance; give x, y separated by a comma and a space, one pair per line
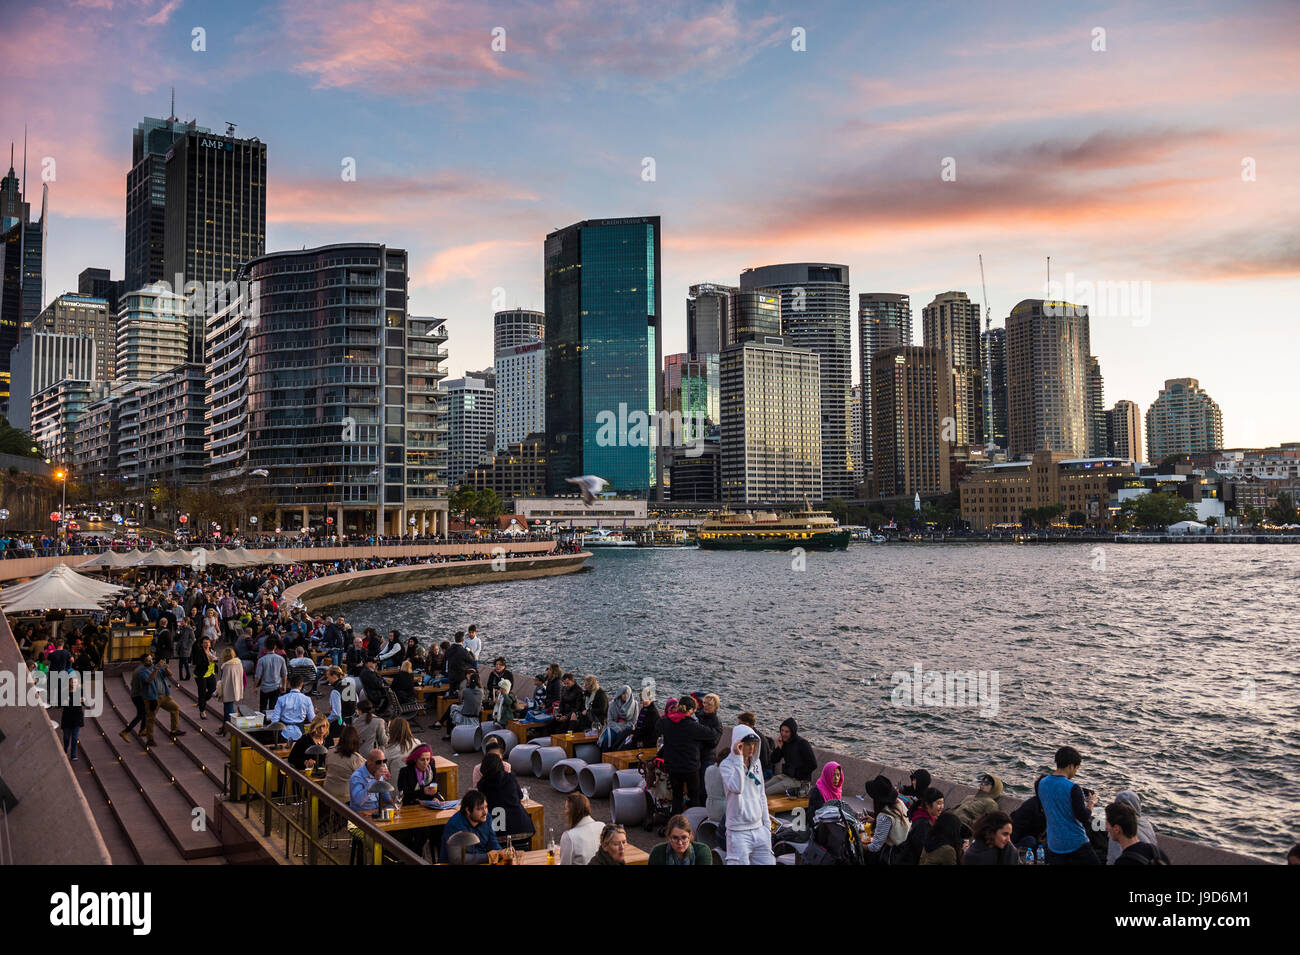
62, 476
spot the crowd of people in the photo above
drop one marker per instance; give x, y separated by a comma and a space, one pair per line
227, 626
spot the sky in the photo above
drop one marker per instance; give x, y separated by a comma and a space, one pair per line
1154, 145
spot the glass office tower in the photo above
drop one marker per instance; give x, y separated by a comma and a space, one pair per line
604, 351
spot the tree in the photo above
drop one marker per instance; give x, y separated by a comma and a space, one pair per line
16, 441
462, 501
1282, 510
1159, 509
1078, 518
488, 506
1252, 517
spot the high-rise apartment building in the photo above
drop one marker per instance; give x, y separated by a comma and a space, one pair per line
771, 424
342, 408
604, 352
75, 314
951, 323
911, 390
994, 343
215, 219
1124, 431
884, 321
816, 315
152, 333
855, 421
38, 362
146, 199
56, 411
470, 423
517, 326
1047, 378
1183, 420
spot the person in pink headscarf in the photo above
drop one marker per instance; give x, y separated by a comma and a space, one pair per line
830, 786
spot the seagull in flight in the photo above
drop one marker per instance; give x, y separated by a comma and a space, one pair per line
590, 486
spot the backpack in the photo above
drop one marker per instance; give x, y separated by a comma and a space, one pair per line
836, 837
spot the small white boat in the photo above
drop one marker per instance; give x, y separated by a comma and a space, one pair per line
600, 537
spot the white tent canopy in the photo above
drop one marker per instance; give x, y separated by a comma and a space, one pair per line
155, 558
60, 589
1187, 527
108, 560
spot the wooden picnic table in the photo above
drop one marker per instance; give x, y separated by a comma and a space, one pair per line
631, 856
568, 742
521, 728
419, 817
777, 804
445, 771
629, 758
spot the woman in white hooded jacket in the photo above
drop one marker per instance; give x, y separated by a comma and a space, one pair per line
749, 835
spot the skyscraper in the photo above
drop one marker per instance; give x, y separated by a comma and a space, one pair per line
951, 323
40, 360
22, 264
1047, 378
995, 387
97, 283
215, 218
1183, 420
152, 333
604, 352
517, 326
470, 421
708, 315
1096, 409
911, 388
75, 314
146, 199
815, 314
519, 358
884, 321
1124, 431
691, 389
771, 424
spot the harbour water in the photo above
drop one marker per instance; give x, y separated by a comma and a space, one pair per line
1174, 670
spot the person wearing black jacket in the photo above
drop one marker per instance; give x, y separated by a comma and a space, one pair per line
373, 685
554, 685
459, 661
499, 673
797, 759
571, 705
1122, 826
1029, 822
502, 791
707, 714
683, 738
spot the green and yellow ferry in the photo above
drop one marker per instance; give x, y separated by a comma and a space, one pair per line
766, 530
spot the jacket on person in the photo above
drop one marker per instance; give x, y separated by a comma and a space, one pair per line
981, 853
1146, 832
701, 854
140, 682
795, 754
407, 785
373, 685
1142, 853
943, 855
646, 732
487, 839
1028, 819
571, 700
580, 843
746, 797
232, 681
977, 804
683, 736
604, 858
502, 791
599, 708
458, 663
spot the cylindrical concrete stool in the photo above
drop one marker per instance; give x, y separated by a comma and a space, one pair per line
508, 740
719, 857
468, 738
544, 759
596, 780
564, 775
629, 779
521, 759
628, 806
707, 832
696, 816
587, 752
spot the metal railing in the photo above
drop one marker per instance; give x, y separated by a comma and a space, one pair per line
315, 827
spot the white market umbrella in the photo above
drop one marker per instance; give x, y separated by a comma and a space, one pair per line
275, 557
60, 589
109, 560
155, 558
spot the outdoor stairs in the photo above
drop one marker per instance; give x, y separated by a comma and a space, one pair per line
143, 798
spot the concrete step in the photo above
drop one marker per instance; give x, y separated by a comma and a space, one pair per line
137, 822
119, 846
171, 806
204, 749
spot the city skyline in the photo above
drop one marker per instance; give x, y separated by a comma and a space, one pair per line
1151, 182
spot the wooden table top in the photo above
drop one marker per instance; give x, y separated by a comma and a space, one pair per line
777, 804
419, 817
631, 856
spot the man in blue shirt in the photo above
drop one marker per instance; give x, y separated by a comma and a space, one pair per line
293, 709
157, 695
359, 796
471, 817
1067, 812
